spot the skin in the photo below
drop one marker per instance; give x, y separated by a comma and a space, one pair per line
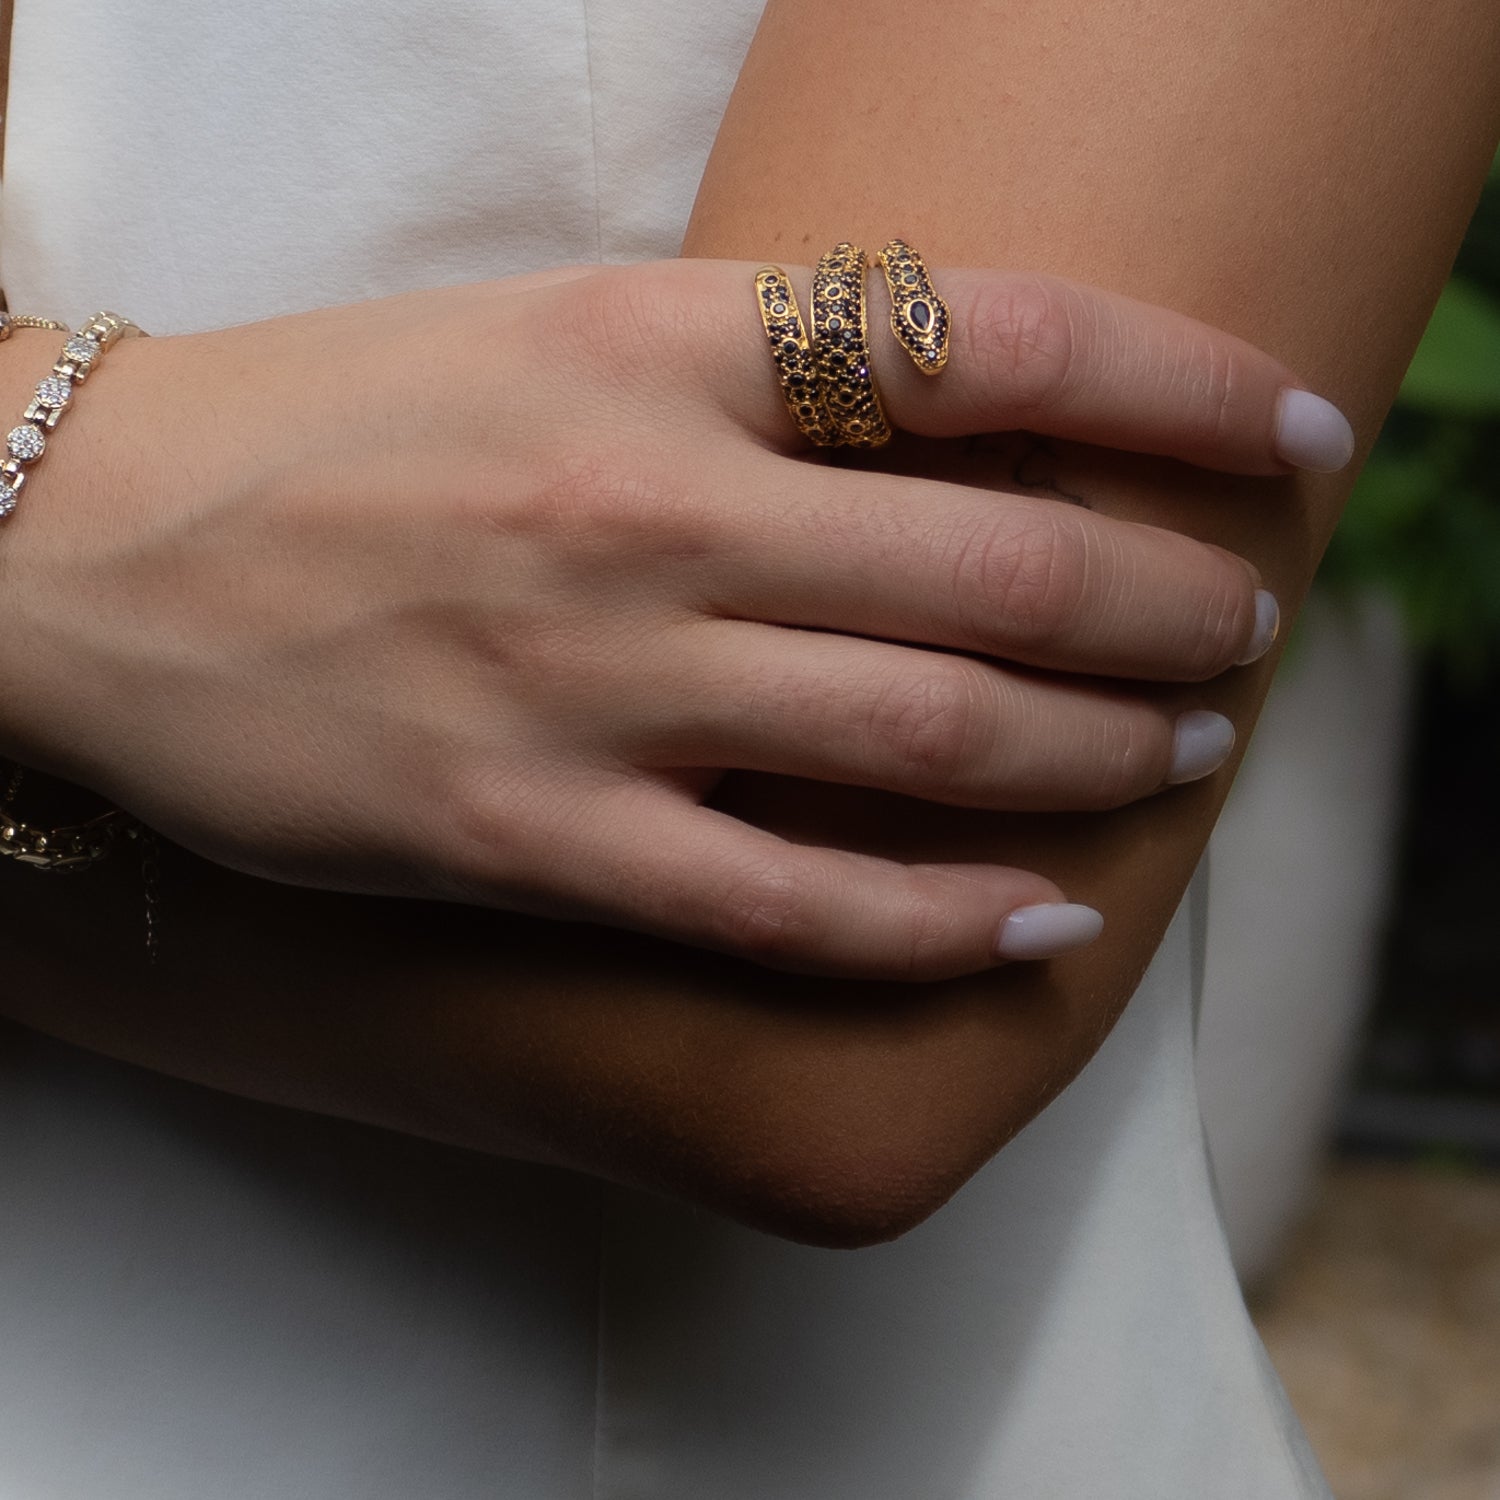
558, 635
828, 1110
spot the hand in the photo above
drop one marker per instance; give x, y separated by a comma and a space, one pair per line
473, 593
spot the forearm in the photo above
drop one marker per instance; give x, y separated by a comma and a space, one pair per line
1299, 174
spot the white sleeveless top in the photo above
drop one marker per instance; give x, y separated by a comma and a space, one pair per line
207, 1299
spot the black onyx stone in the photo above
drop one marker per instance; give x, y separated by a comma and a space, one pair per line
921, 315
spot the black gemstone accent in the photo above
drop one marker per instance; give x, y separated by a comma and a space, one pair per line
921, 315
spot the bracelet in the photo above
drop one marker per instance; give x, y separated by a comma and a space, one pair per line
83, 350
9, 322
71, 846
77, 846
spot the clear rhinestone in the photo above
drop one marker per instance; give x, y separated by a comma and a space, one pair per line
82, 351
7, 499
26, 442
4, 324
54, 392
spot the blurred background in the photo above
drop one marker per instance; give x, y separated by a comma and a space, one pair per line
1349, 1045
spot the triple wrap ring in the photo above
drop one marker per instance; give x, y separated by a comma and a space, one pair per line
826, 380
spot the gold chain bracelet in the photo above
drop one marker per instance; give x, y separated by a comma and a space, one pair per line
70, 846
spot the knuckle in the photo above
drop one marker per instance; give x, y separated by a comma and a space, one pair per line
623, 319
1025, 580
764, 912
1224, 625
931, 726
927, 936
1214, 390
613, 510
1132, 758
485, 815
1026, 328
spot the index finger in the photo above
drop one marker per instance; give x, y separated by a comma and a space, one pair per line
1052, 356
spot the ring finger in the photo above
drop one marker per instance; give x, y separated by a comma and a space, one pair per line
929, 724
1011, 576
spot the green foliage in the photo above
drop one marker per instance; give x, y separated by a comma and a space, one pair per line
1424, 521
1456, 369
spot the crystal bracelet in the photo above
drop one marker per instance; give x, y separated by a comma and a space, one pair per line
74, 846
83, 350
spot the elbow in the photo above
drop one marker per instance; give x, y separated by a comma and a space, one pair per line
839, 1203
844, 1173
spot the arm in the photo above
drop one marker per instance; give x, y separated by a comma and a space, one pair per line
838, 1112
1297, 173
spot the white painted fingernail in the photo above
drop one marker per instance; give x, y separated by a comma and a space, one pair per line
1046, 931
1202, 744
1267, 624
1312, 433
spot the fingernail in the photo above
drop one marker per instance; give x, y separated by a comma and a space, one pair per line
1202, 744
1312, 433
1046, 931
1267, 624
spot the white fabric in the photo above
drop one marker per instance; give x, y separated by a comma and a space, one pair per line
202, 1297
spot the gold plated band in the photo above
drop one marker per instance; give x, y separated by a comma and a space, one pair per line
825, 376
7, 323
919, 317
841, 348
793, 356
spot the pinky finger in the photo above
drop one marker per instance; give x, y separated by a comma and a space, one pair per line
698, 876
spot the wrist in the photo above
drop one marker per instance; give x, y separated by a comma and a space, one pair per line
25, 357
46, 519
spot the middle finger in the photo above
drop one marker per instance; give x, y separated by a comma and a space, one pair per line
1023, 578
